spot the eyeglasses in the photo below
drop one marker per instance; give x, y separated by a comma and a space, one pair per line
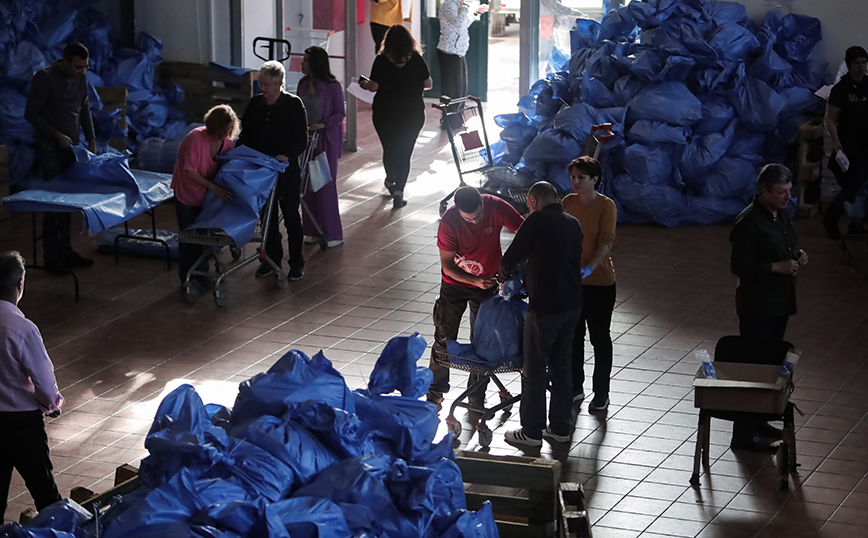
84, 67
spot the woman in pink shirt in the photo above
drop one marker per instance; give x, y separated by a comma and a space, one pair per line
191, 179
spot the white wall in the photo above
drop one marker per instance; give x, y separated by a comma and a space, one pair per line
844, 23
183, 27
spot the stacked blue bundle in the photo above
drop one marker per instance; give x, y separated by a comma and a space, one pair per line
700, 97
300, 454
33, 34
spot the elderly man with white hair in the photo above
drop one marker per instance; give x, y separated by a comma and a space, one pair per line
275, 124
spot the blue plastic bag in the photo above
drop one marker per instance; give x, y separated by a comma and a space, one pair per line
669, 102
716, 115
294, 378
758, 106
660, 204
647, 164
396, 368
498, 333
250, 175
728, 178
704, 152
705, 210
655, 132
733, 42
255, 469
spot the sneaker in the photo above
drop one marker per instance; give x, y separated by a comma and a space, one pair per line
580, 397
264, 270
295, 273
552, 436
518, 437
596, 406
335, 243
398, 200
311, 239
74, 259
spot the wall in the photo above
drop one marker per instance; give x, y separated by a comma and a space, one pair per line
175, 23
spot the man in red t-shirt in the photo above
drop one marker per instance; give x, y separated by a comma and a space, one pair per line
469, 243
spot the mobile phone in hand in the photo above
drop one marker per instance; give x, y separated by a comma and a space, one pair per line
363, 78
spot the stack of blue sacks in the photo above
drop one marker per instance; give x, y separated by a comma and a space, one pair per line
298, 455
33, 34
700, 98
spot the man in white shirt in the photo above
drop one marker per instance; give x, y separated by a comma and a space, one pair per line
28, 390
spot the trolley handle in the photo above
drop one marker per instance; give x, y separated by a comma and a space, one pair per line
606, 133
446, 101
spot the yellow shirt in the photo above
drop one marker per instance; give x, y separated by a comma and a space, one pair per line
598, 229
387, 12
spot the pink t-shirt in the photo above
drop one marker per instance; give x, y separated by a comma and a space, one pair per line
195, 155
477, 246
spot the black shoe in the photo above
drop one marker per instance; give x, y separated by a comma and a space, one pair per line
264, 270
56, 267
598, 406
390, 186
436, 399
74, 259
751, 444
295, 273
398, 200
764, 429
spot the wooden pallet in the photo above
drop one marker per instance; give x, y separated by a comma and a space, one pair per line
523, 491
574, 521
206, 86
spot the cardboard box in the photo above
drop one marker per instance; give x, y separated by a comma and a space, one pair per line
753, 388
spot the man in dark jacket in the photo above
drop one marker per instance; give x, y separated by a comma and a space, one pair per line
58, 109
551, 242
765, 258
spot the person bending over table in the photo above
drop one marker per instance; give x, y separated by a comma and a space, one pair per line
192, 178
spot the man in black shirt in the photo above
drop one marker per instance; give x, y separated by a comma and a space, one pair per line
57, 107
847, 121
765, 258
551, 242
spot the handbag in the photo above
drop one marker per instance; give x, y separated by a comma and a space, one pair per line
320, 174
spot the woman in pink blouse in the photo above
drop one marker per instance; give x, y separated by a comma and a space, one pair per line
191, 179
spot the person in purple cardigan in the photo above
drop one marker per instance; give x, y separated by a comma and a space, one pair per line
323, 98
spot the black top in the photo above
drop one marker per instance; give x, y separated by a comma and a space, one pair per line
758, 240
551, 242
58, 103
278, 129
852, 98
400, 87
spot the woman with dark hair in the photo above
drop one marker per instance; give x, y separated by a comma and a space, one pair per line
399, 76
191, 178
847, 121
597, 214
323, 98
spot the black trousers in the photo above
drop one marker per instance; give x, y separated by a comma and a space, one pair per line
398, 131
25, 448
288, 194
851, 181
187, 253
56, 240
378, 32
449, 308
597, 305
453, 74
763, 327
548, 342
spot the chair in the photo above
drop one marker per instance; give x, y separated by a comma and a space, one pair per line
728, 405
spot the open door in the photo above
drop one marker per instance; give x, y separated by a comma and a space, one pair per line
477, 55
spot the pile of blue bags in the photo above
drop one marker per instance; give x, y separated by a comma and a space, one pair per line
700, 98
298, 455
33, 34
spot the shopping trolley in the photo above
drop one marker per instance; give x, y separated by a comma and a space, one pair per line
303, 160
485, 370
464, 122
218, 240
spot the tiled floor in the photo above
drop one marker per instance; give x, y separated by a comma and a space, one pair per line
132, 338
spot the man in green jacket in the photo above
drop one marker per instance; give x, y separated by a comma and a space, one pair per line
765, 257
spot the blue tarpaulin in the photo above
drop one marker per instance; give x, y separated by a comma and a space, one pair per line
102, 187
250, 175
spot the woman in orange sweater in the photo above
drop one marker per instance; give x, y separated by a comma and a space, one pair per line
597, 215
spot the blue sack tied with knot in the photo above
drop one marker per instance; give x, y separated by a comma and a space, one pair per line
500, 325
